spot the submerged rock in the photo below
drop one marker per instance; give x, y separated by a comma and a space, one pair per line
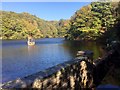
86, 55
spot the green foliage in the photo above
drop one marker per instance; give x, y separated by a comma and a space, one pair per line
62, 26
92, 21
19, 26
113, 34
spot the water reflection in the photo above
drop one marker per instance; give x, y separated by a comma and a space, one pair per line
74, 46
19, 59
31, 50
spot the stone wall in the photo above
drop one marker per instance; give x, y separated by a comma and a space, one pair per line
69, 75
74, 76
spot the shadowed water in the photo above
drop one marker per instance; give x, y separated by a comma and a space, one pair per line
19, 60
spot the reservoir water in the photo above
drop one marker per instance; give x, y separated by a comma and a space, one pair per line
20, 60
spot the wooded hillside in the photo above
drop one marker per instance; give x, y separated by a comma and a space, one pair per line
98, 20
20, 25
93, 21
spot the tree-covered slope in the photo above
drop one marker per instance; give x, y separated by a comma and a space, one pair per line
92, 21
20, 25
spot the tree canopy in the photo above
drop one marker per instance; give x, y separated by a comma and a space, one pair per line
19, 26
92, 21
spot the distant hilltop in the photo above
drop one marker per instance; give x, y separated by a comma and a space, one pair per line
20, 25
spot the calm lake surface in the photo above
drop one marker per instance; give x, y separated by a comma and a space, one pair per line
20, 60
